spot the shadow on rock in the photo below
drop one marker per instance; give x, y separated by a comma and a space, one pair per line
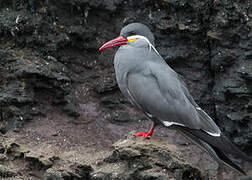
137, 158
129, 158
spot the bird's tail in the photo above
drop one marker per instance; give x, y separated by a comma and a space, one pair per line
217, 147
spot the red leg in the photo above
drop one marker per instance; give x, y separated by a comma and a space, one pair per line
146, 134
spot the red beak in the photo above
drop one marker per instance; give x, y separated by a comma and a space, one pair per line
114, 42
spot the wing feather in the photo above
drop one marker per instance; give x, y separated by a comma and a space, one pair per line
158, 91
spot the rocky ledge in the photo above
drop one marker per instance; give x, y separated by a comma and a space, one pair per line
129, 158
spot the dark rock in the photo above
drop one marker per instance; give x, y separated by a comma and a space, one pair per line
70, 110
6, 172
2, 149
120, 116
135, 158
13, 149
26, 80
231, 66
129, 158
246, 178
74, 171
106, 84
36, 161
82, 170
52, 174
3, 158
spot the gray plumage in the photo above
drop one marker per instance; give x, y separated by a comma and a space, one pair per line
157, 90
146, 79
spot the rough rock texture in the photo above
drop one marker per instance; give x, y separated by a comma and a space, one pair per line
130, 158
231, 64
135, 158
50, 64
26, 80
48, 51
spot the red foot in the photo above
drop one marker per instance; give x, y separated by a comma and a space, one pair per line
144, 134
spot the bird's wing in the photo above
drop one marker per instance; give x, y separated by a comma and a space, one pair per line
159, 93
217, 150
201, 113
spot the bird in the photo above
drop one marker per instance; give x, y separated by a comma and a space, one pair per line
156, 90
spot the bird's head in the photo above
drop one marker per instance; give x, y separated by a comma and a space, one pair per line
131, 32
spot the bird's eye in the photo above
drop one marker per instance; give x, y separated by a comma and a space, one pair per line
132, 33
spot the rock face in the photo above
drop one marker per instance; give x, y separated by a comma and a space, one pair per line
49, 58
26, 80
231, 63
130, 158
135, 158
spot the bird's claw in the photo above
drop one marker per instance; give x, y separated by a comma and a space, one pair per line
144, 134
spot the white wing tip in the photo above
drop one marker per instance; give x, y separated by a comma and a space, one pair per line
167, 123
198, 108
213, 134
